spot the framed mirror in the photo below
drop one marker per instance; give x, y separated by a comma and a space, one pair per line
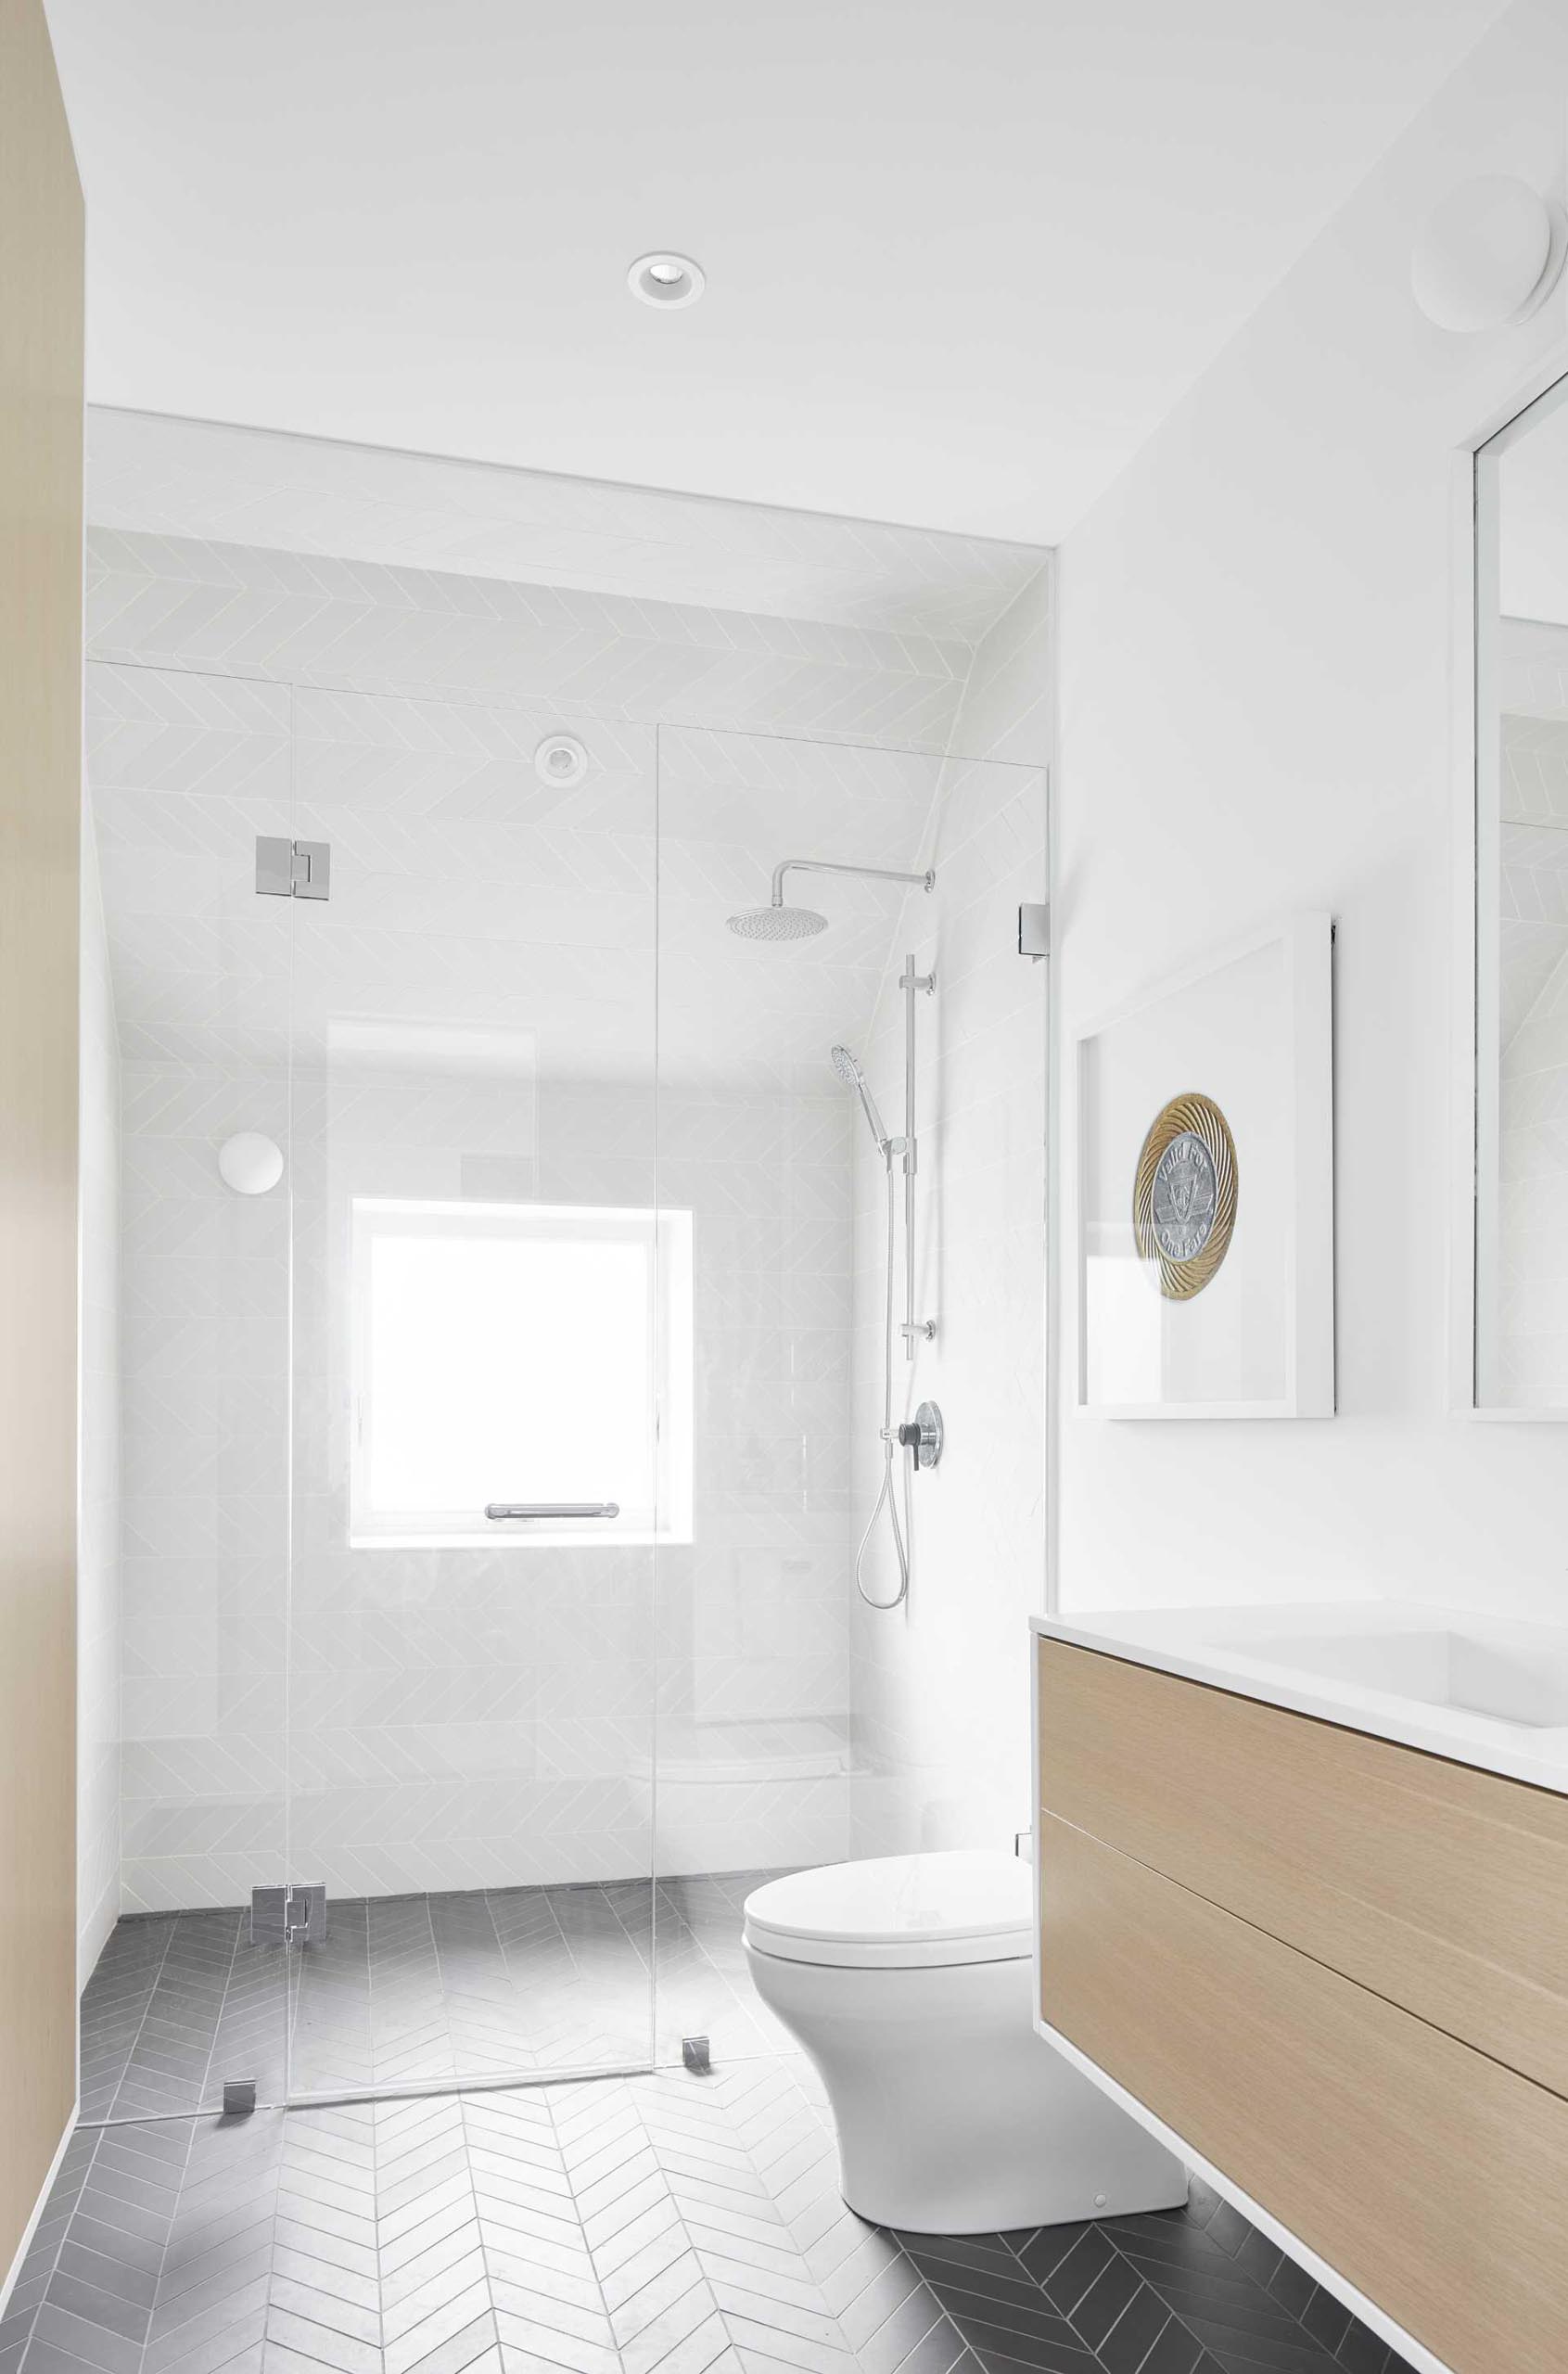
1522, 913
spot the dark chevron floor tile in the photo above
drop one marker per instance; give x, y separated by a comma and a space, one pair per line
43, 2252
114, 2005
405, 1991
656, 2225
96, 2304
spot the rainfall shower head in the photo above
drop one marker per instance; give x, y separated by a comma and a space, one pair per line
850, 1072
778, 923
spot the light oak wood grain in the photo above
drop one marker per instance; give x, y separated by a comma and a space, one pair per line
1431, 2177
1444, 1888
41, 415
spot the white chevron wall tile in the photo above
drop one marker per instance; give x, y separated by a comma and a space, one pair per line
370, 628
172, 1883
227, 1827
186, 479
236, 764
173, 1648
194, 703
173, 1766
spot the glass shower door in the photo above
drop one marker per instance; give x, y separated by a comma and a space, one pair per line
800, 1725
758, 1138
485, 1296
186, 1323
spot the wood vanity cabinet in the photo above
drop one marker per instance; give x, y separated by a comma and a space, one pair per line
1338, 1968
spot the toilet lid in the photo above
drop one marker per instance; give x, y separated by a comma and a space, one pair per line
898, 1911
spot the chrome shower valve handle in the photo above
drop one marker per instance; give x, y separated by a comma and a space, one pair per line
924, 1435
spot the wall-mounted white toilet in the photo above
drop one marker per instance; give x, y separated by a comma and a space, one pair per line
907, 1980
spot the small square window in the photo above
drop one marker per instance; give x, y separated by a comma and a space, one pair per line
533, 1353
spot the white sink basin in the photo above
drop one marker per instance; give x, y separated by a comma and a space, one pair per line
1468, 1669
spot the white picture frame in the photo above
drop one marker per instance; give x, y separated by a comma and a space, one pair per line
1251, 1028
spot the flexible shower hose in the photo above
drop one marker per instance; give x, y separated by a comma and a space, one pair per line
889, 1445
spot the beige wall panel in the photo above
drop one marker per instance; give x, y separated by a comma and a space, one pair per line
41, 318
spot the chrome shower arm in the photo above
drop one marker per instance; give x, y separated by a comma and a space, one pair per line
824, 865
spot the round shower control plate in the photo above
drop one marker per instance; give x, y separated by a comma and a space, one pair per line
933, 1434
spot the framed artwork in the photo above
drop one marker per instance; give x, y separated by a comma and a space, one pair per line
1205, 1189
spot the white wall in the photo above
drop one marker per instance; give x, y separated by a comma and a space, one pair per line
939, 1710
98, 1729
1255, 690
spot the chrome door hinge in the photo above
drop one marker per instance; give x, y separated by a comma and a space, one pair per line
292, 868
295, 1915
1034, 930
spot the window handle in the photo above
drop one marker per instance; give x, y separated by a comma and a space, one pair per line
552, 1509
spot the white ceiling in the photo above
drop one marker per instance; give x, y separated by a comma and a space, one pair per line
961, 257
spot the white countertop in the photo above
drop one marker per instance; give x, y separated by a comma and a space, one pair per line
1429, 1678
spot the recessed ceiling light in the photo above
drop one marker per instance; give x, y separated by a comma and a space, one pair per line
666, 279
560, 758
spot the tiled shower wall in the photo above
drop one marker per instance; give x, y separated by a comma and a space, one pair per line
98, 1647
463, 1718
940, 1685
468, 1717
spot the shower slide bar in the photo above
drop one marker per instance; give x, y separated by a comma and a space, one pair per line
552, 1508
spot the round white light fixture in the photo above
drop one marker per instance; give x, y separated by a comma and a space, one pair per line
1488, 256
250, 1164
667, 279
561, 760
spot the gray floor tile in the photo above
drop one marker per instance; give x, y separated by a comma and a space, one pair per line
659, 2225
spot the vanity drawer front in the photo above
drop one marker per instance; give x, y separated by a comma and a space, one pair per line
1434, 2179
1444, 1888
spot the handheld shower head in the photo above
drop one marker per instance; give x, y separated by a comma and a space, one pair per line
850, 1072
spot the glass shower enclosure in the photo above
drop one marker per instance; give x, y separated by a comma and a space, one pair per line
495, 1616
581, 1280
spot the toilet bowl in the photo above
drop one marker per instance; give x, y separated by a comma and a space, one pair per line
908, 1982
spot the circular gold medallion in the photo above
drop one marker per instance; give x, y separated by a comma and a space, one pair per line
1184, 1195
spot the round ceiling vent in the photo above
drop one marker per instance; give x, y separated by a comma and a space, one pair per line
1488, 256
667, 279
560, 760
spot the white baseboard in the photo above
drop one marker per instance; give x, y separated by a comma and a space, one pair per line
96, 1932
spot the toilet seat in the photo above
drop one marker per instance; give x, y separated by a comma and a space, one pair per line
897, 1912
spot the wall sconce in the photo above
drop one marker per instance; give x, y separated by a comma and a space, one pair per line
250, 1164
1488, 256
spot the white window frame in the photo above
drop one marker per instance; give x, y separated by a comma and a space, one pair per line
670, 1289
